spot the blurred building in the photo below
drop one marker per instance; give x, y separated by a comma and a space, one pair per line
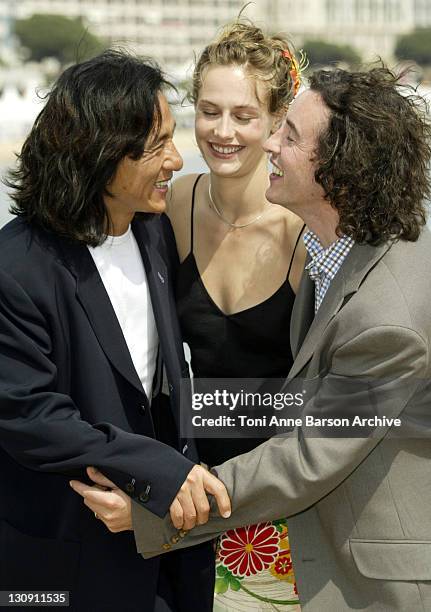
171, 30
371, 26
165, 29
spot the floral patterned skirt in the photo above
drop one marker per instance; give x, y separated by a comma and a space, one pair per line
254, 570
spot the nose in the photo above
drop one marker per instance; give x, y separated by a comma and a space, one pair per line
273, 143
173, 160
223, 128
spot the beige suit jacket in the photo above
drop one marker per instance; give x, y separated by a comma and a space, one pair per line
359, 508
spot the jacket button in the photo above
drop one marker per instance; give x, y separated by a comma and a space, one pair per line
175, 539
166, 546
182, 533
130, 486
145, 495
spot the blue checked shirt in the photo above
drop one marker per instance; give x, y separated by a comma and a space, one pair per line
325, 263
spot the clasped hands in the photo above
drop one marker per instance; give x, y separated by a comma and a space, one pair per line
189, 508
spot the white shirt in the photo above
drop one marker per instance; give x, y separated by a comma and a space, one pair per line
120, 266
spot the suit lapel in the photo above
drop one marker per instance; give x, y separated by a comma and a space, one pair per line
147, 235
94, 298
148, 240
302, 313
357, 265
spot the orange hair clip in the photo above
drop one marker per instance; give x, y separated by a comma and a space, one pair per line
296, 68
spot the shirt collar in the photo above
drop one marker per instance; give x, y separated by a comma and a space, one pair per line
326, 261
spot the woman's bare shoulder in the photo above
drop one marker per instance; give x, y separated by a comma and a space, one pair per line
292, 223
294, 229
178, 209
181, 193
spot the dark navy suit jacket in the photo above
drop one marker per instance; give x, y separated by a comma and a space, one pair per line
70, 397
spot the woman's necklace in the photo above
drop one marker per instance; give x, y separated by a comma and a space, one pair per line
234, 225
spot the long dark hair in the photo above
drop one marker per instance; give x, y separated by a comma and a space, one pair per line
97, 112
373, 159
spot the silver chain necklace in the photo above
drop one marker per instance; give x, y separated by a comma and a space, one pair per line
233, 225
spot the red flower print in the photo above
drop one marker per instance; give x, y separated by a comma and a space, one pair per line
249, 550
283, 565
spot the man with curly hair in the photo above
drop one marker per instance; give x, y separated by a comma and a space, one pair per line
351, 159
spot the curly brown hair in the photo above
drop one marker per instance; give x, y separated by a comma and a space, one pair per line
266, 58
373, 159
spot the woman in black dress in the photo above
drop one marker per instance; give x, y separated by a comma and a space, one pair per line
241, 261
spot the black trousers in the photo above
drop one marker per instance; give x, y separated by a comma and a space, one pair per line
186, 580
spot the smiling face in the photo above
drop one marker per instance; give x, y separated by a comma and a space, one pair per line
232, 121
293, 149
141, 185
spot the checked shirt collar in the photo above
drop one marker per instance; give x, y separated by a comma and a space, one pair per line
325, 263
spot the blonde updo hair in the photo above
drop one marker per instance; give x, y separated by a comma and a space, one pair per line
267, 58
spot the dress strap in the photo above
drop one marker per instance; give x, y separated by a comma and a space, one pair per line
294, 250
192, 212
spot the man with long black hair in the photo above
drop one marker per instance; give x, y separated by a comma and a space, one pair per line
87, 318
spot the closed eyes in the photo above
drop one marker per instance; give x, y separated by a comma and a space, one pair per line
237, 117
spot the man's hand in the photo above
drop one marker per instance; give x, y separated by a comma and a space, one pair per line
106, 500
191, 507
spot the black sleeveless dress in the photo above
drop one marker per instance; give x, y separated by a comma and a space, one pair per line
252, 343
